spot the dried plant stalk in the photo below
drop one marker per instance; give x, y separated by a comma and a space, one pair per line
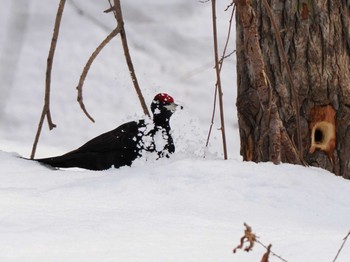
249, 237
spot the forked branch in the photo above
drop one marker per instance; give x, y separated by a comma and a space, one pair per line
116, 9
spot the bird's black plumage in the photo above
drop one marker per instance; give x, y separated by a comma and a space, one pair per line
121, 146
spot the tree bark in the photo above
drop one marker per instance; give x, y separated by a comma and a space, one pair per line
316, 39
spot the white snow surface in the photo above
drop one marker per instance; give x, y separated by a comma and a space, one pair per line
186, 208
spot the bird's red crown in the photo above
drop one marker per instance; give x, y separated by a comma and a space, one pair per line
164, 98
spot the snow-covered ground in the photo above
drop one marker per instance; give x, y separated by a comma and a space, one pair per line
187, 208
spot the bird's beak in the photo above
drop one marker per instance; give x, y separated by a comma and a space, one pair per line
173, 107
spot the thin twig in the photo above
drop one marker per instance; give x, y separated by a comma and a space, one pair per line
224, 56
222, 118
341, 247
231, 4
119, 17
289, 74
212, 116
87, 68
46, 108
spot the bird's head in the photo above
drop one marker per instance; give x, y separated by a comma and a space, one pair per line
163, 106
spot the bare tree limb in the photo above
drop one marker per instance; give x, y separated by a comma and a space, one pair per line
46, 109
224, 56
119, 17
87, 68
218, 79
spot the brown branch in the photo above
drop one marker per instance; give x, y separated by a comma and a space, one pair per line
119, 17
231, 4
212, 116
289, 74
341, 247
224, 56
218, 79
111, 9
87, 68
46, 108
220, 67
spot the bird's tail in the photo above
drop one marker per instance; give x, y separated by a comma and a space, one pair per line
91, 161
56, 162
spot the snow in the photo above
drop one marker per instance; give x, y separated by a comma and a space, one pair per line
186, 208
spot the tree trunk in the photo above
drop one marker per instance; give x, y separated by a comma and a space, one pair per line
316, 39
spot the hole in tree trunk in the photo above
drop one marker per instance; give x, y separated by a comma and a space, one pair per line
323, 130
318, 136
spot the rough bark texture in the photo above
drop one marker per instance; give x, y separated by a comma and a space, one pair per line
316, 38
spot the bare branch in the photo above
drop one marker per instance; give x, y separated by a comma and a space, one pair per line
87, 68
224, 56
119, 17
46, 108
111, 9
218, 79
231, 4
